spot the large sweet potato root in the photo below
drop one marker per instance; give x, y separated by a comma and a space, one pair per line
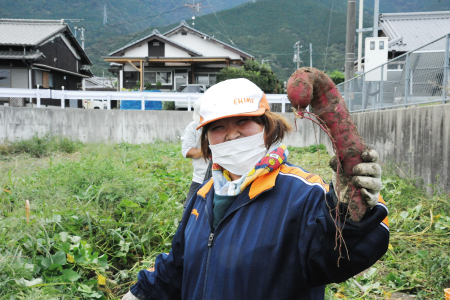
309, 86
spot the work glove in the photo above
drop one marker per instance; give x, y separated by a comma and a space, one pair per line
367, 177
129, 296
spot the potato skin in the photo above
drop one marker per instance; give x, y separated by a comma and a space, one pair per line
309, 86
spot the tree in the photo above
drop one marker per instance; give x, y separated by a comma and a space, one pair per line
337, 77
259, 74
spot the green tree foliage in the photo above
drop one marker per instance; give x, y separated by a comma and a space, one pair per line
337, 77
259, 74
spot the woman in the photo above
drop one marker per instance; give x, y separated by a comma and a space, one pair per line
261, 228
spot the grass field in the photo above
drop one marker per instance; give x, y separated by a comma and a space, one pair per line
99, 213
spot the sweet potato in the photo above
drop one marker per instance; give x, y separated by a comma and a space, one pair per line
309, 86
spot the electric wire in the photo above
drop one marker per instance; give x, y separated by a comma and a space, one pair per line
242, 48
158, 16
221, 24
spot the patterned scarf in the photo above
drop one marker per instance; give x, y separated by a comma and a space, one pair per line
223, 185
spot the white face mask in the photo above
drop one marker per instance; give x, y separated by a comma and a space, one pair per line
239, 156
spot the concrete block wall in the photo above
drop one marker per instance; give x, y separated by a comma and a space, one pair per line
416, 139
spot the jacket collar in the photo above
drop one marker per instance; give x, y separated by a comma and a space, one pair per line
258, 186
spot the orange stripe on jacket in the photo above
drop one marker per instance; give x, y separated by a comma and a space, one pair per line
386, 220
309, 177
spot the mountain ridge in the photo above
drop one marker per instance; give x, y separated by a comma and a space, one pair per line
266, 29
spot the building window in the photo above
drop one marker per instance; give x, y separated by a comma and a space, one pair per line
381, 45
155, 44
43, 79
153, 77
5, 78
208, 79
372, 45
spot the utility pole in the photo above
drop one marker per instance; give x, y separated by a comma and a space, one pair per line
360, 34
310, 55
350, 40
105, 15
82, 36
297, 54
195, 7
75, 27
375, 18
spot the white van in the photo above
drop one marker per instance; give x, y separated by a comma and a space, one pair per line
189, 88
95, 103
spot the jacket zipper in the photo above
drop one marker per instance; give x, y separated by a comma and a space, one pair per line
211, 240
208, 258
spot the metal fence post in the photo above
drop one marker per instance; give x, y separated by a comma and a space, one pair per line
283, 105
405, 99
350, 93
189, 103
381, 86
63, 101
363, 102
446, 66
38, 98
142, 101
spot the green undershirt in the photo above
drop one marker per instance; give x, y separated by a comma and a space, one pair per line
221, 205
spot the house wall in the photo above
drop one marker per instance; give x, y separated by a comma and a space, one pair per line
171, 51
415, 139
137, 51
128, 68
156, 48
58, 55
206, 47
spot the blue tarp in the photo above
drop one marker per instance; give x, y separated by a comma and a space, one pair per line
136, 104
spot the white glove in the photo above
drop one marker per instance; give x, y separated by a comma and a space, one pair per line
129, 296
367, 176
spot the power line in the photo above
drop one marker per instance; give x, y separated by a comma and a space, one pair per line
221, 24
140, 19
243, 48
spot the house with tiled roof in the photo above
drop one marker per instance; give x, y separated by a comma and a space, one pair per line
409, 31
180, 56
420, 74
41, 52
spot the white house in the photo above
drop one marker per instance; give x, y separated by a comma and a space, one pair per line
180, 56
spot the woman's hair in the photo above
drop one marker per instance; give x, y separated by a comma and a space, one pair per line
275, 128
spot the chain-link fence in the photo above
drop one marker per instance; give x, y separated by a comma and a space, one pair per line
416, 77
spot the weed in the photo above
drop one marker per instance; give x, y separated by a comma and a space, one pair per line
40, 146
98, 218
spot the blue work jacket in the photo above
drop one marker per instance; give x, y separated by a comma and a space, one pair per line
276, 241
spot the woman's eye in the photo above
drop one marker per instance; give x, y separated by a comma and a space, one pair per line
242, 122
216, 128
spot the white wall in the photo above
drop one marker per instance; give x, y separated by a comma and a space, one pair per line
171, 51
137, 51
399, 135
